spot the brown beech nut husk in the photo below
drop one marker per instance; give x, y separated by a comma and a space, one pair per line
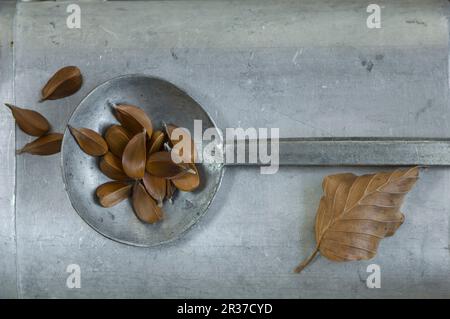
45, 145
31, 122
89, 141
188, 182
133, 119
64, 82
112, 193
117, 138
144, 205
156, 187
161, 164
111, 166
156, 142
134, 156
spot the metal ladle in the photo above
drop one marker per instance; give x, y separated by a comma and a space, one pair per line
163, 101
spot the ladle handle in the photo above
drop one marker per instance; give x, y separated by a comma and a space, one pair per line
343, 151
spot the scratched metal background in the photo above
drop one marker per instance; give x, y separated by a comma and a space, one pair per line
311, 68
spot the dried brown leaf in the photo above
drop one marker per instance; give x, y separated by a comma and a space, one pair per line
161, 164
156, 187
144, 206
356, 212
133, 119
89, 141
29, 121
134, 156
188, 182
117, 138
111, 166
64, 82
45, 145
112, 193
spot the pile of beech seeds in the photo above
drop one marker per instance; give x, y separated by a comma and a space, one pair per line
139, 160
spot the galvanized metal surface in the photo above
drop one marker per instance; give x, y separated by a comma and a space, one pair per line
165, 102
8, 288
311, 69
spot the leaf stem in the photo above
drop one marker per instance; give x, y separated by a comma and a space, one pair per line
306, 262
